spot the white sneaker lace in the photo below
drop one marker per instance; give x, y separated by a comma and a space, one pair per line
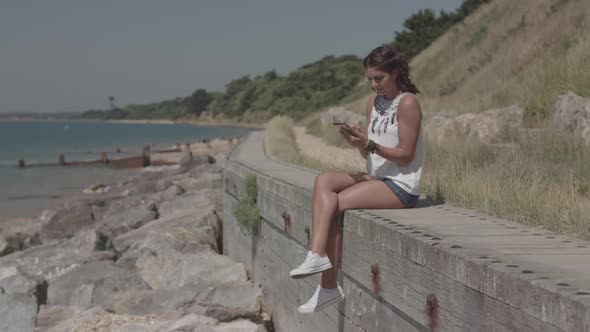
308, 258
314, 299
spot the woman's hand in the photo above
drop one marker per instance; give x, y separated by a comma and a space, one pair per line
354, 137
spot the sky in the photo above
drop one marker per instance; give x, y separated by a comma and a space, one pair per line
71, 55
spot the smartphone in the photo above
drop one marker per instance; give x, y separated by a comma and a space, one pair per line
342, 123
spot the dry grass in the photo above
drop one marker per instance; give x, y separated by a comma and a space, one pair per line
522, 183
279, 140
280, 144
509, 52
328, 132
512, 52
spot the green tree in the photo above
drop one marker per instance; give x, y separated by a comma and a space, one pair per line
271, 75
199, 101
423, 27
469, 6
112, 103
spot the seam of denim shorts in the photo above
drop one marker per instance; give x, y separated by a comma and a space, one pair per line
400, 193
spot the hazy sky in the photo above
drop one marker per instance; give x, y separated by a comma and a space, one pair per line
71, 55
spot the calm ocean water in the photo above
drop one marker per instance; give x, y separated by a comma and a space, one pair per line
26, 192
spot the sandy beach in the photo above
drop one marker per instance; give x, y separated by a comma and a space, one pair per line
143, 121
203, 123
197, 148
27, 204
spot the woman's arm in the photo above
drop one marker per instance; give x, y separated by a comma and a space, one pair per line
357, 137
409, 115
370, 105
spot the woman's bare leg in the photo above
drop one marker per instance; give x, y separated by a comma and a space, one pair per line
373, 194
324, 208
333, 249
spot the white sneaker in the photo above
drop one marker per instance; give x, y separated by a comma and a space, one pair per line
322, 298
312, 264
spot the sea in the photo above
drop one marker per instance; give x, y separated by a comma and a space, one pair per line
26, 192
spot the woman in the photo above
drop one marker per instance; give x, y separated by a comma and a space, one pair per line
392, 144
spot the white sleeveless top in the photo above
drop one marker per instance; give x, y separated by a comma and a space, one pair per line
383, 130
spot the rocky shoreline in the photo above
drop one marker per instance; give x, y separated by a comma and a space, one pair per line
142, 255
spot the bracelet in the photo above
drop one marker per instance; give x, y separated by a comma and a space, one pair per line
371, 146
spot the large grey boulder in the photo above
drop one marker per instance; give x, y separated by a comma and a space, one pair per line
439, 127
7, 270
93, 284
11, 242
171, 227
146, 184
18, 234
122, 221
171, 193
174, 270
220, 158
115, 206
67, 221
168, 241
190, 201
572, 115
51, 260
86, 241
491, 126
222, 302
17, 312
19, 283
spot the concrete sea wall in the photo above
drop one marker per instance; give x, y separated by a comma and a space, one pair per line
404, 270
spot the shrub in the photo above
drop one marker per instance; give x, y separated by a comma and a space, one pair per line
246, 210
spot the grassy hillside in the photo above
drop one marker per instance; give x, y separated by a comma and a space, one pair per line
524, 52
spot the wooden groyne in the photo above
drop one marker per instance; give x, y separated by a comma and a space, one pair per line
138, 161
127, 162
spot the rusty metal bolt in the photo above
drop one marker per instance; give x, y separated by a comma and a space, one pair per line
375, 278
432, 311
287, 221
308, 235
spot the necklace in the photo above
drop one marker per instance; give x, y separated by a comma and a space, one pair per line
383, 105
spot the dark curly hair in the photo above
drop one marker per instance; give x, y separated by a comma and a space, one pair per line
388, 60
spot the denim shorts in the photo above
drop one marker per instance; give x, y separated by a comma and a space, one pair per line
408, 200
